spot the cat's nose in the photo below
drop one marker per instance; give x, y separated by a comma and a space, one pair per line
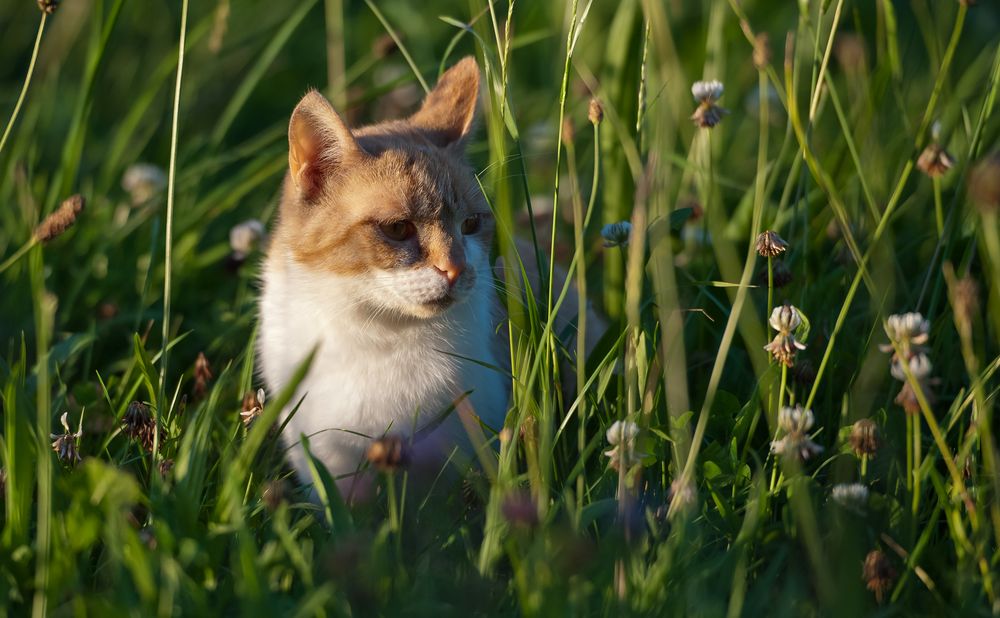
450, 270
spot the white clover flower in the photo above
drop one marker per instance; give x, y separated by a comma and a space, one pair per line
616, 234
906, 330
707, 94
142, 181
253, 406
622, 436
64, 444
682, 495
785, 319
244, 237
707, 91
853, 496
796, 423
920, 367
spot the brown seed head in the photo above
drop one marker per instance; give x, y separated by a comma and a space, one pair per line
595, 113
965, 304
984, 183
275, 492
878, 573
48, 6
384, 46
769, 244
139, 425
202, 376
864, 437
60, 220
389, 453
761, 51
935, 161
253, 406
166, 465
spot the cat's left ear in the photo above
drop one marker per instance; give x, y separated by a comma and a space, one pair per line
448, 111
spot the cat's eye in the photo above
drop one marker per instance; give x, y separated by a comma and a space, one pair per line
398, 230
472, 224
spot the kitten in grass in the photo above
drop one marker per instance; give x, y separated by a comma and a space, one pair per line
380, 260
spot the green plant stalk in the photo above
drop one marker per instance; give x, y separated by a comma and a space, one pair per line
27, 82
938, 209
44, 306
17, 255
916, 466
335, 64
909, 453
168, 236
399, 44
814, 104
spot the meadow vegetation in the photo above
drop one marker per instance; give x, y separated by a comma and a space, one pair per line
767, 427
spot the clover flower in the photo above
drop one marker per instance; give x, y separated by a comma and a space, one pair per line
622, 437
908, 332
769, 244
935, 161
853, 496
707, 93
142, 181
245, 237
795, 423
139, 424
878, 573
682, 495
864, 437
65, 444
253, 406
616, 234
389, 453
785, 319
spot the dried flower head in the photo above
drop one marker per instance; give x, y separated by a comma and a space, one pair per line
253, 406
878, 573
389, 453
595, 111
865, 437
384, 46
245, 237
935, 161
65, 444
138, 424
165, 467
984, 183
785, 319
908, 400
519, 509
707, 94
202, 376
769, 244
616, 234
142, 181
761, 51
60, 220
853, 496
275, 492
622, 437
795, 423
48, 6
965, 304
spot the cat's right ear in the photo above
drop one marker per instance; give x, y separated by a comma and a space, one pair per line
319, 142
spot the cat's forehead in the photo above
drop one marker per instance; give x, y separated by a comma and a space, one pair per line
420, 181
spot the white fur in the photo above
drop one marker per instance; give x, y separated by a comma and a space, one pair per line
374, 370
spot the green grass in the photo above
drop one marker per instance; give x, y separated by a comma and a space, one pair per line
820, 144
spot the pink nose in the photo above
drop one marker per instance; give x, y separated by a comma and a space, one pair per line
450, 271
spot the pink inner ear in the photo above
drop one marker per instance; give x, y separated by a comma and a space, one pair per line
306, 158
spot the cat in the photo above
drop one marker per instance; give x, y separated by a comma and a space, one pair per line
380, 261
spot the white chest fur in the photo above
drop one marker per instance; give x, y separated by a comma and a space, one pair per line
370, 377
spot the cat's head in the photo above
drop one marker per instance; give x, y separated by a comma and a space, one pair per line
392, 208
